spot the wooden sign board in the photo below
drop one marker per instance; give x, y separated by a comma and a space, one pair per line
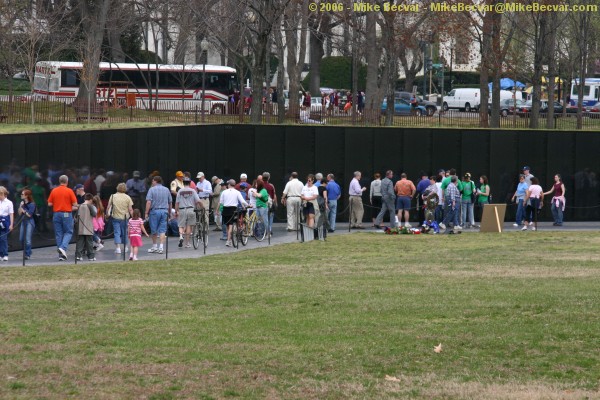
492, 219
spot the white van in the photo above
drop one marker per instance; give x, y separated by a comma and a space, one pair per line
466, 99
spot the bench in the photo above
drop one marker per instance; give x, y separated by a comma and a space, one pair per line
96, 112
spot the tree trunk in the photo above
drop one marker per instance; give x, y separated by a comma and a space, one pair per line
293, 17
95, 21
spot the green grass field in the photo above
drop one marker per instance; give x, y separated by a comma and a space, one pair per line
355, 317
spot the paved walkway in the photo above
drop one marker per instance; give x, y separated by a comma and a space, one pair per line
49, 256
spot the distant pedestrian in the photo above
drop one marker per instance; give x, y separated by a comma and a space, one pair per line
120, 208
136, 228
291, 199
63, 202
519, 197
534, 198
334, 192
375, 196
388, 201
405, 191
558, 201
356, 206
27, 209
158, 206
85, 229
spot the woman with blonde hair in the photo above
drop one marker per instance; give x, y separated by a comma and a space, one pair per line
120, 209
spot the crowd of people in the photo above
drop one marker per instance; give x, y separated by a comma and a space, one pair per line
100, 199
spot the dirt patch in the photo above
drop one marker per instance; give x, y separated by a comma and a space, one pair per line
85, 284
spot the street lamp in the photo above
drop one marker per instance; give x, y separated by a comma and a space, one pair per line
204, 49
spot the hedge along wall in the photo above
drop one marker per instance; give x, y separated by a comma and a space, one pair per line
228, 150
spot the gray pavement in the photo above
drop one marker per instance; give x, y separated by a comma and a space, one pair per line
49, 256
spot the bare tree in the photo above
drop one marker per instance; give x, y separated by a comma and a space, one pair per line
93, 19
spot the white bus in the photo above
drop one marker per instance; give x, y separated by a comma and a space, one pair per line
591, 92
120, 81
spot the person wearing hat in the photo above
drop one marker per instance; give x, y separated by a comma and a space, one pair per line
136, 189
79, 193
204, 189
528, 175
243, 186
466, 202
176, 184
185, 203
230, 198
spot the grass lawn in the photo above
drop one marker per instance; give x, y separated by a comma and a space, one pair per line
517, 316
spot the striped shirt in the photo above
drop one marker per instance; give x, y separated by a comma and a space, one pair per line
135, 227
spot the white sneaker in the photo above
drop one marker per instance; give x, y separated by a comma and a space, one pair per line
5, 258
516, 225
441, 225
99, 246
407, 225
118, 250
524, 228
228, 243
458, 228
160, 250
153, 250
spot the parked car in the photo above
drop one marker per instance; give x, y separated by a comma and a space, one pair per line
525, 109
507, 106
403, 107
430, 106
465, 99
593, 111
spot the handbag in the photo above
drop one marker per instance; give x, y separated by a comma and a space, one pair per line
110, 217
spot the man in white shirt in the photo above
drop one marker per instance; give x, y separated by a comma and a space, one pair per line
230, 198
205, 191
291, 199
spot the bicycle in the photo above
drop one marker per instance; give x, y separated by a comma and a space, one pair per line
200, 232
255, 226
238, 228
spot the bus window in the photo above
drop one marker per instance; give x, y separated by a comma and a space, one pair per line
69, 78
586, 90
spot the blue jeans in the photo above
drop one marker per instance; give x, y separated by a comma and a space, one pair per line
25, 236
557, 212
63, 229
451, 214
332, 213
158, 221
120, 228
520, 212
4, 236
262, 213
466, 207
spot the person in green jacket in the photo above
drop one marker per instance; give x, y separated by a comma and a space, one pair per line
466, 202
483, 195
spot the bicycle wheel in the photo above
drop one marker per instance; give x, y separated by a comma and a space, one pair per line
204, 236
195, 236
243, 235
260, 230
234, 236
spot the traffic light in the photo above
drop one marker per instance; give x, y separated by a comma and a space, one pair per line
428, 64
